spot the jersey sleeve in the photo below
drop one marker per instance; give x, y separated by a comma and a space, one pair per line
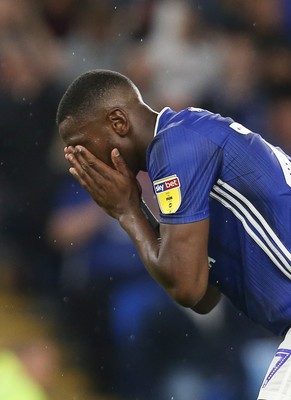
183, 166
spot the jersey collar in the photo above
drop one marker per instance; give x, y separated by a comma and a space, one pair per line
158, 119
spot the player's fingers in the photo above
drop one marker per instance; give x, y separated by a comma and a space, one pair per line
84, 179
91, 164
72, 159
87, 174
74, 173
119, 163
77, 168
81, 179
77, 161
85, 157
69, 149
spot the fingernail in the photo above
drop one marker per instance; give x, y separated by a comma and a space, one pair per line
78, 149
116, 152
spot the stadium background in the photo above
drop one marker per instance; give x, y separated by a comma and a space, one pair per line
79, 318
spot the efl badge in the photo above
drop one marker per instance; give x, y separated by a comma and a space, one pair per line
168, 193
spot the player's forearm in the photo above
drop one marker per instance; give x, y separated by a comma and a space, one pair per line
168, 266
147, 243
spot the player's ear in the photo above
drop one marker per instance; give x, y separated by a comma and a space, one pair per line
119, 121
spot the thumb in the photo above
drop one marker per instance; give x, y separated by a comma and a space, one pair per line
119, 162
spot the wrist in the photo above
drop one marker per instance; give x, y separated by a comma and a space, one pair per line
129, 218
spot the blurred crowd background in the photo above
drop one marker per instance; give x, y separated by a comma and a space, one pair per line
229, 56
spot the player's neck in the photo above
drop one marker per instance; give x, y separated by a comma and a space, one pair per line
145, 133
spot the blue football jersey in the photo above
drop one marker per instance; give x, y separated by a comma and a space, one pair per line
205, 166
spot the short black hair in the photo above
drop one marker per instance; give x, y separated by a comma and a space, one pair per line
88, 91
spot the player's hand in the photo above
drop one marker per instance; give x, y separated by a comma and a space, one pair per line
115, 190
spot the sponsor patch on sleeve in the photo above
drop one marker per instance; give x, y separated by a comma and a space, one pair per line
168, 194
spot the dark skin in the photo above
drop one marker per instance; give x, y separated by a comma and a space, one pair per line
106, 152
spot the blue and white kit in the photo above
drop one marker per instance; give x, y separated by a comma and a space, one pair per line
205, 166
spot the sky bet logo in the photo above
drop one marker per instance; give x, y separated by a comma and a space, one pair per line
168, 194
162, 185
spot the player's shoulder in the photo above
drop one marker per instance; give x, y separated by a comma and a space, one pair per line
169, 118
198, 120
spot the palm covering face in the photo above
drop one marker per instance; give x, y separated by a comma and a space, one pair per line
116, 190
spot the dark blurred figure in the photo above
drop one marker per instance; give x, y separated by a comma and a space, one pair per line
279, 120
60, 15
28, 100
